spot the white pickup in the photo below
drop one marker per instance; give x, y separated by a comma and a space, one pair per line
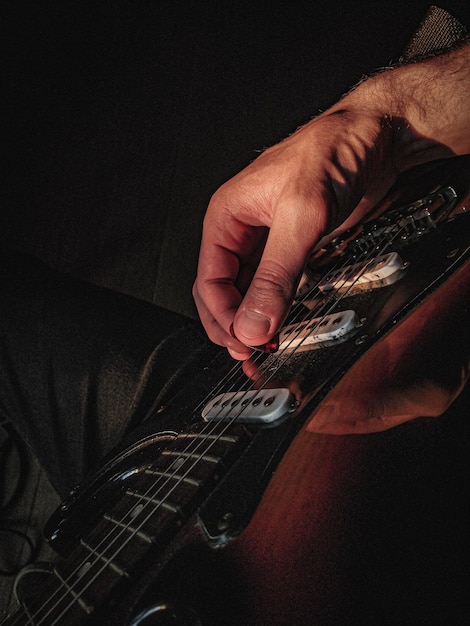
257, 406
383, 270
378, 272
319, 332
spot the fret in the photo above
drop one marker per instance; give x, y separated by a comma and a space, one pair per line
190, 466
153, 505
104, 559
131, 529
211, 448
195, 456
78, 599
146, 515
173, 508
95, 566
225, 438
59, 603
174, 476
192, 459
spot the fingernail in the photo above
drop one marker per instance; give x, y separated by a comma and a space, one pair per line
271, 347
253, 324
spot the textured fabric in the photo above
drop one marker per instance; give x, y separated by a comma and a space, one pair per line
438, 31
80, 365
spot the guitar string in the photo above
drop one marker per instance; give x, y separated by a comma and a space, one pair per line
85, 561
347, 276
366, 268
293, 319
235, 372
387, 243
346, 279
222, 384
343, 294
219, 435
308, 295
397, 233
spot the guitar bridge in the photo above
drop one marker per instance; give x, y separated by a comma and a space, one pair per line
399, 227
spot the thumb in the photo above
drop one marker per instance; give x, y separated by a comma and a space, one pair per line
272, 289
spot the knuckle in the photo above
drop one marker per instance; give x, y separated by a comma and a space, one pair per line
272, 281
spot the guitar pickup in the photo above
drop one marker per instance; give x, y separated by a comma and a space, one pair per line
256, 406
381, 271
319, 332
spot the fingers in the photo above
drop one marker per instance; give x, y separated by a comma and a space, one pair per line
235, 320
267, 301
228, 249
297, 192
215, 329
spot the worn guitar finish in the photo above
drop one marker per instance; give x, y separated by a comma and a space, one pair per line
228, 523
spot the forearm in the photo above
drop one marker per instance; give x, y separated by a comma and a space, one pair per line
262, 225
427, 104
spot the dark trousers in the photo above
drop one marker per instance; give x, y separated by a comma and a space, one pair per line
80, 365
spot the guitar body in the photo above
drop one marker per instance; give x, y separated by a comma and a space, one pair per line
346, 510
367, 529
353, 529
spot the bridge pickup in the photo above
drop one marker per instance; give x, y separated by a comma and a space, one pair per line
319, 332
378, 272
258, 406
383, 270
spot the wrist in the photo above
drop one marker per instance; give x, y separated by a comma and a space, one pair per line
426, 104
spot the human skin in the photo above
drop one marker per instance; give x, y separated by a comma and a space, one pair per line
262, 225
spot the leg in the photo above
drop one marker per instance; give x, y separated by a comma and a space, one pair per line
79, 365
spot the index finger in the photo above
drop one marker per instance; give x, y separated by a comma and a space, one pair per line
228, 257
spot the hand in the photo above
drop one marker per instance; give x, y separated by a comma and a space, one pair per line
262, 225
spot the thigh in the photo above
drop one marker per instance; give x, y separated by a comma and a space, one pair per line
79, 364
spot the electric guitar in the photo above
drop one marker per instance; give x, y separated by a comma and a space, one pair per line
234, 511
